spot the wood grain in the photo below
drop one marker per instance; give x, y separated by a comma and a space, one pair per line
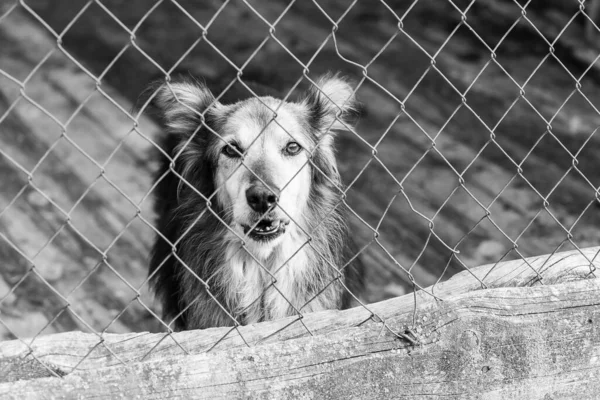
533, 339
526, 343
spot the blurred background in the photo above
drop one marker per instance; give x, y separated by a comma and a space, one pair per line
476, 143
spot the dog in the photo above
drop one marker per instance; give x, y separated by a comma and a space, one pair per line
251, 222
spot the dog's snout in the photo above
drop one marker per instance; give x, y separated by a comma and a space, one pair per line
261, 198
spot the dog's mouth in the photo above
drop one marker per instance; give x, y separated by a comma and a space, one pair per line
265, 229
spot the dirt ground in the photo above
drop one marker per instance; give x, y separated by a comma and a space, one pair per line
476, 142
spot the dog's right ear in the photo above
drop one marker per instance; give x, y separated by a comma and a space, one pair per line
181, 105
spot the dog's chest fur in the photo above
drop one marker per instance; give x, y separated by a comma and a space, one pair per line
275, 286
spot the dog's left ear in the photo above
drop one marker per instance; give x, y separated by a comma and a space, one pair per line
331, 104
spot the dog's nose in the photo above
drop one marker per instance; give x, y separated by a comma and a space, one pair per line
261, 198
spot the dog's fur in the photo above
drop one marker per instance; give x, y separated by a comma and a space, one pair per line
208, 265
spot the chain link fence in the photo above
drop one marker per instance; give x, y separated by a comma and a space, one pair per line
477, 142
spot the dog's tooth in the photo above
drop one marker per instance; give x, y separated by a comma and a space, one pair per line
267, 227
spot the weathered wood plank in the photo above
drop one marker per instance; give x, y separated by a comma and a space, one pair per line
63, 352
526, 343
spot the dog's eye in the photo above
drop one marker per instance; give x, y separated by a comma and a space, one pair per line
232, 150
292, 148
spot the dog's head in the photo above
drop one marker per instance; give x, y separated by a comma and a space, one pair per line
263, 157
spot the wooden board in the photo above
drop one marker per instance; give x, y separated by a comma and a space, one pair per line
526, 342
67, 351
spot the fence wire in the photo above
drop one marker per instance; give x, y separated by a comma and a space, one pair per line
435, 182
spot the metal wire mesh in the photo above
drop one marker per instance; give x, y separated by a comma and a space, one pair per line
436, 183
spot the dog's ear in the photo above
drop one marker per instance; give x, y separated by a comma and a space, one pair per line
331, 104
181, 105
